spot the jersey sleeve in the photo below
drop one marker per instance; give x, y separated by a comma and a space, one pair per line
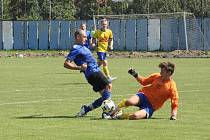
72, 54
88, 34
174, 99
146, 80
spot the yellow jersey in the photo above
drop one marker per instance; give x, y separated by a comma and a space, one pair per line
103, 38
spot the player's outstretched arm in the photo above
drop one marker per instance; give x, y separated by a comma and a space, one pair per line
71, 65
132, 72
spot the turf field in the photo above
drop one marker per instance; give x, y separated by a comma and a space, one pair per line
39, 98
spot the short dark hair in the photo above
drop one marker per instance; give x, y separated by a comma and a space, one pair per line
168, 66
104, 20
83, 24
77, 32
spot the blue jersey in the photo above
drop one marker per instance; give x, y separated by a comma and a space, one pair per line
87, 43
82, 55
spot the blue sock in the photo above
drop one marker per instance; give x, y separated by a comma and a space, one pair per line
97, 103
106, 95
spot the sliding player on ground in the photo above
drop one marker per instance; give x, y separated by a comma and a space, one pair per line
158, 88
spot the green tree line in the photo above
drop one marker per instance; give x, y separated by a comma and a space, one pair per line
85, 9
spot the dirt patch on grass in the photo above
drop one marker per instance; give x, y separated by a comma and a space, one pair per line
172, 54
113, 54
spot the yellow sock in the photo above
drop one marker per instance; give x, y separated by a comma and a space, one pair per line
122, 104
125, 116
106, 71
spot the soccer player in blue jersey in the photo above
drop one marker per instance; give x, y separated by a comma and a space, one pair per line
80, 58
88, 42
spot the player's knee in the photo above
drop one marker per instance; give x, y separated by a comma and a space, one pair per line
129, 103
65, 65
99, 63
109, 87
105, 63
135, 116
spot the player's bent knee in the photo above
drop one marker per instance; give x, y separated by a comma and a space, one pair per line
109, 86
137, 116
134, 117
105, 63
129, 102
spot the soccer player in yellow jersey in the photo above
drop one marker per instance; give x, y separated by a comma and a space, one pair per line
104, 38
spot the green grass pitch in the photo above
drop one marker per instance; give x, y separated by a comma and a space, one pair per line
38, 99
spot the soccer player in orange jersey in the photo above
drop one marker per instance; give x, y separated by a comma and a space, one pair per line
157, 89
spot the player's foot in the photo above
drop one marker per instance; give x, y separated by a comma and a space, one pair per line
82, 112
110, 79
106, 116
117, 114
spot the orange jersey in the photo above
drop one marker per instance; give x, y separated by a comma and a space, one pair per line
158, 91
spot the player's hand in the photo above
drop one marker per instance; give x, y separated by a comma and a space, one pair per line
93, 45
132, 72
83, 67
173, 117
110, 48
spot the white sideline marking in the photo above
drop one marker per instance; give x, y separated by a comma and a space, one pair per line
77, 99
44, 89
29, 102
194, 90
30, 90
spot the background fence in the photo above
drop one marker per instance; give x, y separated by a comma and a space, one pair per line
136, 35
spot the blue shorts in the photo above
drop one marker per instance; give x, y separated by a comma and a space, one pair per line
145, 104
101, 55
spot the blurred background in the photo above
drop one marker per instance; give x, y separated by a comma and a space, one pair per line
84, 9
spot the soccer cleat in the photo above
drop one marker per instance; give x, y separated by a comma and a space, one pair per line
82, 112
122, 104
110, 79
106, 116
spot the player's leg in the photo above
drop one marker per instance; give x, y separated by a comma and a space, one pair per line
105, 68
106, 71
100, 58
133, 100
100, 84
105, 95
139, 100
102, 61
99, 62
141, 114
104, 88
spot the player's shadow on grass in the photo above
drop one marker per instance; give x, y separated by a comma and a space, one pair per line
63, 73
154, 118
74, 117
76, 83
158, 118
47, 117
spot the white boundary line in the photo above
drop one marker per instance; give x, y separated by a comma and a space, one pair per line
29, 102
19, 91
77, 99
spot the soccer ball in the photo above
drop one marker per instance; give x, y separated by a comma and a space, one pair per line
108, 106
